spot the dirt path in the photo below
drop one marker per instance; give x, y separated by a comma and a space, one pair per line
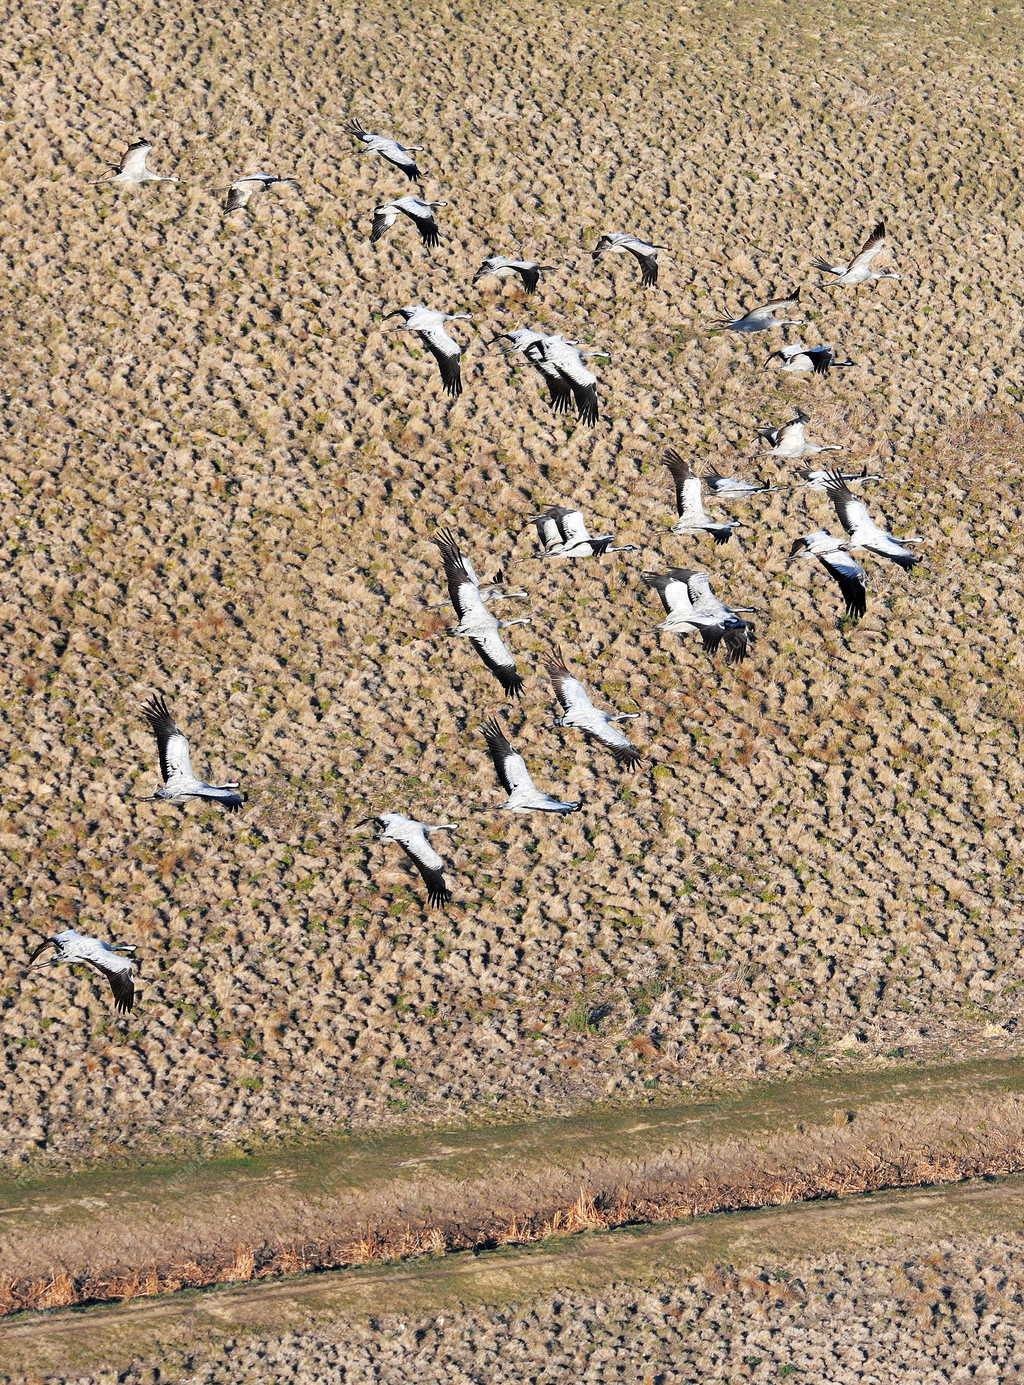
68, 1343
136, 1231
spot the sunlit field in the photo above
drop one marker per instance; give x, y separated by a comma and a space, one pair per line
222, 471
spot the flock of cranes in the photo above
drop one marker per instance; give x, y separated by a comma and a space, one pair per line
686, 595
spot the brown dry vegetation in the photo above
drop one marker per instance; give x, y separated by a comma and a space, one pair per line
87, 1238
220, 477
264, 1228
922, 1287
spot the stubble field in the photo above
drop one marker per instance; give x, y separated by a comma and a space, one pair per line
221, 475
840, 1319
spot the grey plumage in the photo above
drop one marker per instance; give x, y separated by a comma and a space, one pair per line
114, 961
179, 780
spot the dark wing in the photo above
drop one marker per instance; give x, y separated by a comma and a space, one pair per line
455, 569
530, 276
380, 225
658, 581
738, 640
558, 673
648, 267
736, 635
236, 199
626, 756
558, 514
711, 637
680, 470
586, 402
504, 669
721, 533
438, 892
850, 509
499, 750
821, 358
449, 365
121, 985
47, 942
559, 391
427, 227
406, 162
161, 723
850, 579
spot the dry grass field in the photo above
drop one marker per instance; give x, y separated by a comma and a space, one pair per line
220, 477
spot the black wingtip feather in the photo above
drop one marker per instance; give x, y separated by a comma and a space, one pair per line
429, 233
511, 681
627, 758
738, 640
155, 711
586, 404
